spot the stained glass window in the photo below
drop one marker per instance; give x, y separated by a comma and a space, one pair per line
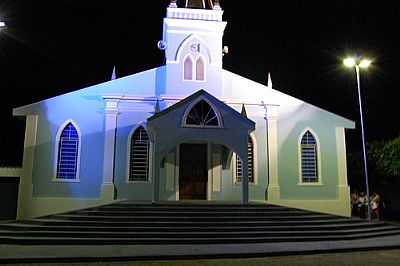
309, 160
139, 156
68, 150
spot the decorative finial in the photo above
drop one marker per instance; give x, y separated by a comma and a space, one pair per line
157, 107
173, 4
243, 112
217, 5
269, 84
113, 75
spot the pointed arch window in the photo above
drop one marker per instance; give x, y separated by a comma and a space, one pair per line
250, 163
202, 115
194, 68
139, 156
188, 68
309, 159
68, 151
200, 69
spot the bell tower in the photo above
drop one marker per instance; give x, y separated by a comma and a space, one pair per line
192, 41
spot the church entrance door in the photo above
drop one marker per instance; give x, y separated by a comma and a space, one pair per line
193, 174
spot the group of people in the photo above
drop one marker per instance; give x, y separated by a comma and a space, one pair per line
359, 205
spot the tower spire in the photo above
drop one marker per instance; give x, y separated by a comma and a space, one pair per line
113, 75
269, 84
244, 112
157, 108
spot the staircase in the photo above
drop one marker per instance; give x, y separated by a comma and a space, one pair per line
196, 223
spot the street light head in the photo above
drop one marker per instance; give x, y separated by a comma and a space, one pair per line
349, 62
365, 63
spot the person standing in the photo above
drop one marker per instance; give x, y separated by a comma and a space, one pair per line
375, 205
362, 205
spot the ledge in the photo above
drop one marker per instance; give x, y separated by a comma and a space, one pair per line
195, 14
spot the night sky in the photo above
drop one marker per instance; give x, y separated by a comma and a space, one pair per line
53, 47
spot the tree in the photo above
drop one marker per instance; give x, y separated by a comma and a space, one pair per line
384, 157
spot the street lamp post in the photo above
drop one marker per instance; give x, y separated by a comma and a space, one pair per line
358, 63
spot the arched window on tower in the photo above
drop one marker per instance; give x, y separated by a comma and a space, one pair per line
188, 68
200, 69
309, 159
68, 151
250, 163
194, 68
202, 115
139, 156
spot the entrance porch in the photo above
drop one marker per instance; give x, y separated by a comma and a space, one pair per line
191, 142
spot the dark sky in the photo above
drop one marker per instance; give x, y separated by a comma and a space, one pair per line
53, 47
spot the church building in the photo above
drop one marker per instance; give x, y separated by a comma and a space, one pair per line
186, 131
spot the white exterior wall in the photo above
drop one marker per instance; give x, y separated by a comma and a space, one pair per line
278, 117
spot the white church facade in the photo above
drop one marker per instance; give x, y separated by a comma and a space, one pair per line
188, 130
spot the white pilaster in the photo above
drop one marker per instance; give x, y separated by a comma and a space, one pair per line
341, 156
110, 126
272, 125
25, 185
343, 188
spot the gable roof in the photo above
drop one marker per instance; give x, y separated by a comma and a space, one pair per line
143, 84
208, 96
234, 83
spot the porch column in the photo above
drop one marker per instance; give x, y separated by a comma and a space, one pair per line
245, 182
110, 126
272, 137
242, 152
26, 185
343, 187
156, 169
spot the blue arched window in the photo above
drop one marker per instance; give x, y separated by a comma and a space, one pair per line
309, 159
139, 156
68, 150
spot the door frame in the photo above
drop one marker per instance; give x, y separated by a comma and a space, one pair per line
209, 171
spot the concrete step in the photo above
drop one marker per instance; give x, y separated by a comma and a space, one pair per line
177, 213
193, 207
73, 216
170, 228
21, 240
193, 234
66, 222
128, 223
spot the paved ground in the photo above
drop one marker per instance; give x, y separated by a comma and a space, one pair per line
384, 257
19, 253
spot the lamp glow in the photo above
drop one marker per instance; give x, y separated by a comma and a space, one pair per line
365, 63
2, 24
349, 62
